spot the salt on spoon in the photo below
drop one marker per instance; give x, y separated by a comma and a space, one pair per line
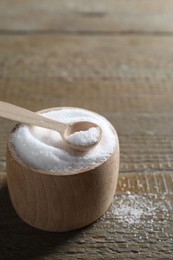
85, 137
80, 136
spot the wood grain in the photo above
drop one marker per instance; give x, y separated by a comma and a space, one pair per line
104, 74
86, 16
113, 57
108, 237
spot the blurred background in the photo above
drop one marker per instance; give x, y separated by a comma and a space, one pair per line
107, 56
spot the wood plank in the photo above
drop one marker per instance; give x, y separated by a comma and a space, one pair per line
86, 16
159, 182
120, 95
137, 225
116, 73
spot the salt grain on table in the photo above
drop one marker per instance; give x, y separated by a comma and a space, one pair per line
132, 209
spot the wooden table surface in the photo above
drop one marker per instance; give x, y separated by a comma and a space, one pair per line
115, 58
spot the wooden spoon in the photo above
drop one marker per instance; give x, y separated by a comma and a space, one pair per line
23, 115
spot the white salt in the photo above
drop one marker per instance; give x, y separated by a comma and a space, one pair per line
132, 209
44, 149
85, 138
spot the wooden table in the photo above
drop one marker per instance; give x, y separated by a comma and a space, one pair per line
116, 58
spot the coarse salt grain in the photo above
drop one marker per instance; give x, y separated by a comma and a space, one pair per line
85, 138
44, 149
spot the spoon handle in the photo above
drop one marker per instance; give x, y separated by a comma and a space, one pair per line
23, 115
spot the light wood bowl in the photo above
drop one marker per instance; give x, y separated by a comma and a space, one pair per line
56, 202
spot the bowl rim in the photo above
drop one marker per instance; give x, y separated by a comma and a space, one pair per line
19, 160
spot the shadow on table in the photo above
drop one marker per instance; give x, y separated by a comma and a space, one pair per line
20, 241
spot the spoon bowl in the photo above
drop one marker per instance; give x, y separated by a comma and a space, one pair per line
82, 130
70, 132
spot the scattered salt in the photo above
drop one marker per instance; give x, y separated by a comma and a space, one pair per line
44, 149
139, 217
85, 138
134, 209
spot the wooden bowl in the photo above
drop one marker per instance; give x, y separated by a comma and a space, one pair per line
56, 202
